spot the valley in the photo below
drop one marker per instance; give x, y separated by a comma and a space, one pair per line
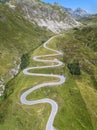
48, 66
70, 94
61, 78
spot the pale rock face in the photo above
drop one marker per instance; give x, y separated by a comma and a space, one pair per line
2, 87
54, 26
11, 5
53, 17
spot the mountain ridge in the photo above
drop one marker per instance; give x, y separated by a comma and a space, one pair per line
77, 13
20, 37
52, 17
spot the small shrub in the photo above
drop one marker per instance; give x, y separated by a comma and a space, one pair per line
24, 61
74, 68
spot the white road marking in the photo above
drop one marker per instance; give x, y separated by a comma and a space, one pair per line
49, 125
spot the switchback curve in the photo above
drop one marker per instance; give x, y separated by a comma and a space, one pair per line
49, 125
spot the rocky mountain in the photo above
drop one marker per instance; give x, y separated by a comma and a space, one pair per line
77, 13
20, 40
80, 13
53, 17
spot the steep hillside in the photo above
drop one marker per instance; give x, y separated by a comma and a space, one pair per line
76, 98
17, 36
80, 46
88, 36
20, 40
89, 20
53, 17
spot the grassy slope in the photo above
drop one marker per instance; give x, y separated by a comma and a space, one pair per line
17, 36
89, 20
88, 35
76, 97
76, 48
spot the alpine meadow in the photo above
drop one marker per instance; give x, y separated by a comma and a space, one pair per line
48, 66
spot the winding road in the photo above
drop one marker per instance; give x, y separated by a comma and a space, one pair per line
57, 63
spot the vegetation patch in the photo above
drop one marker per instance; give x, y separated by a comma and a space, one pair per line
24, 61
74, 68
18, 36
76, 98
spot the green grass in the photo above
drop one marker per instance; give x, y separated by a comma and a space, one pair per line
89, 20
76, 97
17, 37
75, 49
87, 35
